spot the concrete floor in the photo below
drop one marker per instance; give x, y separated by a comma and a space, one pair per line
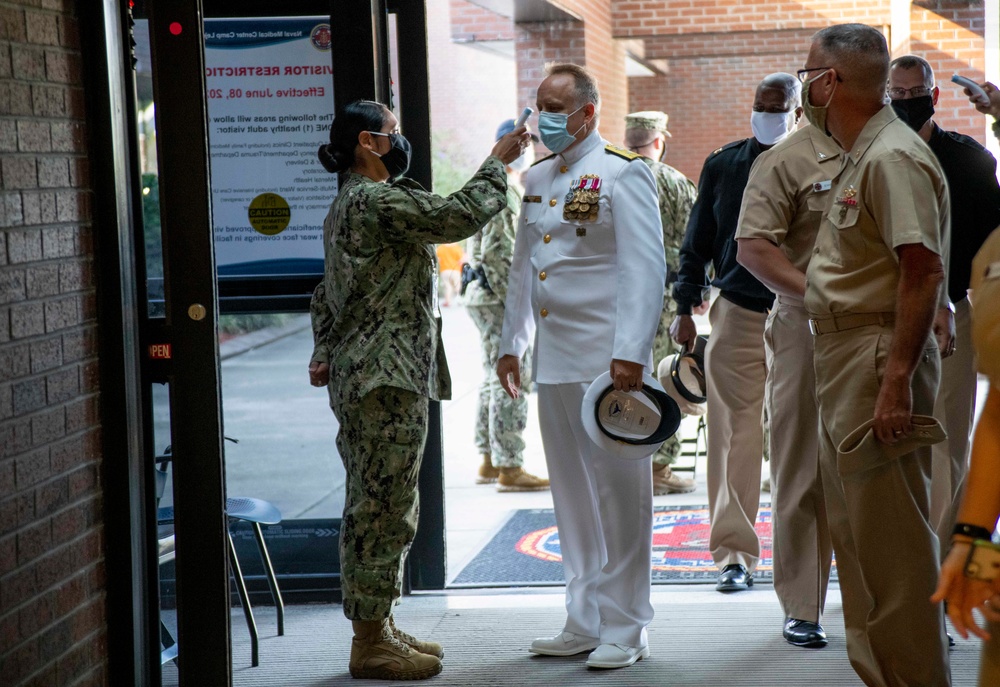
287, 455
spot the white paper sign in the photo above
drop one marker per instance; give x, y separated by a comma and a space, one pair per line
269, 87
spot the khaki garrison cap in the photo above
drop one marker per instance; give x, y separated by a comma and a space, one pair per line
654, 120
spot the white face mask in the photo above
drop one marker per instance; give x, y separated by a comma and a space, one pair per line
771, 127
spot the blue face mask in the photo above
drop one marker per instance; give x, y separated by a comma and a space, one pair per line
553, 132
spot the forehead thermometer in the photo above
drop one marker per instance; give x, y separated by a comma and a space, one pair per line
527, 112
975, 89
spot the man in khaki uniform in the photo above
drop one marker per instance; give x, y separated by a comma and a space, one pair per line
783, 205
974, 196
872, 287
646, 134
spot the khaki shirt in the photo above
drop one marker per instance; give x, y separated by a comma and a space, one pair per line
890, 192
986, 307
789, 189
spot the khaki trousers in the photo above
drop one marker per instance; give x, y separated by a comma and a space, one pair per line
735, 372
956, 408
801, 544
886, 549
604, 511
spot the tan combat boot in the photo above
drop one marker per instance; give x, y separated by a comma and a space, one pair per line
666, 482
376, 654
516, 479
429, 648
487, 473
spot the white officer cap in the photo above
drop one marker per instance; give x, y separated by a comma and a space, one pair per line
629, 424
683, 378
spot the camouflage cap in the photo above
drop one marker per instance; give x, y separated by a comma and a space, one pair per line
654, 120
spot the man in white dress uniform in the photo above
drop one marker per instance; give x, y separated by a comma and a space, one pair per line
587, 282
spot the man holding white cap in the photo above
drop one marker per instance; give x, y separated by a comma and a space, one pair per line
783, 205
735, 362
587, 284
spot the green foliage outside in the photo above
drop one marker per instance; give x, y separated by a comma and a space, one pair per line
450, 165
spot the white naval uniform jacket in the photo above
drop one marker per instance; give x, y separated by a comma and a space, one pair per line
587, 290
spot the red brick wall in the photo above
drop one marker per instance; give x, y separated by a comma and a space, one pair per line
950, 35
471, 22
52, 577
588, 43
718, 51
643, 18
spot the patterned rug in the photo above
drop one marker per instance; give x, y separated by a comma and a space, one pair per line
525, 550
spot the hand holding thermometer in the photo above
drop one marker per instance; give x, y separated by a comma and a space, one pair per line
975, 89
527, 112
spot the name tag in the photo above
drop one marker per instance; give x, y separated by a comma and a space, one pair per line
532, 199
821, 186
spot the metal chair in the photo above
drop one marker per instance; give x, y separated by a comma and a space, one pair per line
693, 447
255, 511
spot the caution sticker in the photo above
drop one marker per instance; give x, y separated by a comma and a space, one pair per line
269, 214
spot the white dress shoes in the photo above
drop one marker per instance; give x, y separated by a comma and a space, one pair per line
616, 655
563, 644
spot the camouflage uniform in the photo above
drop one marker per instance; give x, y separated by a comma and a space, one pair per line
676, 194
375, 321
500, 419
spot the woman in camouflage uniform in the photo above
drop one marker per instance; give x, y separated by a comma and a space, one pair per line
378, 349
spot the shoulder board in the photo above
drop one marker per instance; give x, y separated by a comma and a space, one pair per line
728, 146
543, 159
621, 152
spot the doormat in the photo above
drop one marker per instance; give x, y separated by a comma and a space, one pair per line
525, 550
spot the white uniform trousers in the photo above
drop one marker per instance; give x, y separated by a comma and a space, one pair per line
735, 372
955, 407
800, 541
604, 512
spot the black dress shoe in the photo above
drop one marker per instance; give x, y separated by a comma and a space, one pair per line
804, 633
733, 578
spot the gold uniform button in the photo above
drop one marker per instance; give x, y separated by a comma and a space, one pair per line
544, 313
552, 203
564, 169
542, 275
547, 238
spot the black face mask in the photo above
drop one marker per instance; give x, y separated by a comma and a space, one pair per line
915, 111
397, 160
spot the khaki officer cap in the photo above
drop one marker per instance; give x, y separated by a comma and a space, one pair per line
654, 120
986, 307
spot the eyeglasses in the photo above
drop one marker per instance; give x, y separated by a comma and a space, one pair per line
803, 73
394, 132
915, 92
